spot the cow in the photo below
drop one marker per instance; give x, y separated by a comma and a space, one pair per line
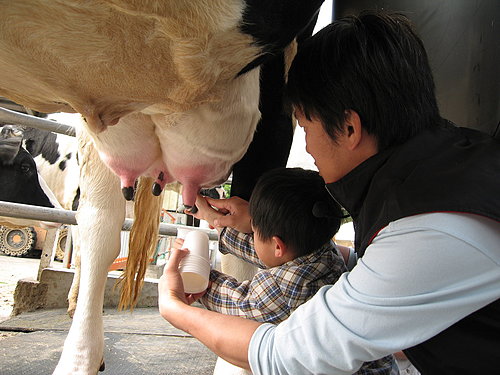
21, 182
48, 162
168, 90
56, 158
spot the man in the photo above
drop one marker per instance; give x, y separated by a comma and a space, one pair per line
424, 198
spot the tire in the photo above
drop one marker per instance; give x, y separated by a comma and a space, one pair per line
61, 243
17, 241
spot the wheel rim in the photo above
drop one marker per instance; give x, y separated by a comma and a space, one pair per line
16, 239
61, 244
16, 242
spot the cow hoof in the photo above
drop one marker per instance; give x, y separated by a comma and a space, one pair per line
102, 367
157, 189
128, 193
191, 209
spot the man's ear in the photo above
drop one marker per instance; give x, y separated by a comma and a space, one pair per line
353, 129
280, 248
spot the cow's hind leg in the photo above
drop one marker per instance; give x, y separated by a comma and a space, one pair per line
100, 217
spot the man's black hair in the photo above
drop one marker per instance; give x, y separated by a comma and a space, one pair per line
374, 64
285, 203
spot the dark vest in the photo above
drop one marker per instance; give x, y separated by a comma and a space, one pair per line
447, 169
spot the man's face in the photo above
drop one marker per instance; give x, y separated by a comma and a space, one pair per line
328, 154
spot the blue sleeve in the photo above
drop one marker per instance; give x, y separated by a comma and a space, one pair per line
414, 281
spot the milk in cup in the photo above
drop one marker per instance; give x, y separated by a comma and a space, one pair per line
195, 267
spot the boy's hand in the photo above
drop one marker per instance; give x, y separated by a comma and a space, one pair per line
237, 213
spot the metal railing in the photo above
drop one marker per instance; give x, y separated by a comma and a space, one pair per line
57, 215
15, 118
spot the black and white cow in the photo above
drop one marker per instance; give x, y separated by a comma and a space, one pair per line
56, 158
20, 180
38, 167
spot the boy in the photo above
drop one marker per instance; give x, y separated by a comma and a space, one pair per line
293, 221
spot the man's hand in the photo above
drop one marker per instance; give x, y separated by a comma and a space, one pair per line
178, 244
190, 298
171, 294
170, 286
227, 336
237, 214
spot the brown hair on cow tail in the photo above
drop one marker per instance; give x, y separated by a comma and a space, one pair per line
142, 243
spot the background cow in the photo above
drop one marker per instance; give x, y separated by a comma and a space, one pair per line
56, 160
21, 182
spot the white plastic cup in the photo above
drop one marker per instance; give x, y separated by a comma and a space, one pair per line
181, 232
195, 267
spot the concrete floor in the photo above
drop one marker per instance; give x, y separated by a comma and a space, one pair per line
139, 343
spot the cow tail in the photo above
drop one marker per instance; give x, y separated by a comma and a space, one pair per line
142, 243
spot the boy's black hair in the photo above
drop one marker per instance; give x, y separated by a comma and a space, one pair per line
374, 64
282, 204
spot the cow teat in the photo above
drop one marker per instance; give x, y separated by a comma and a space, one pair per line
157, 189
128, 193
157, 186
191, 209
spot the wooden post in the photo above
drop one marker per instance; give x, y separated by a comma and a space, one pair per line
47, 251
68, 248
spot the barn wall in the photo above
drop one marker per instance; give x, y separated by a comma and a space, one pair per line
461, 38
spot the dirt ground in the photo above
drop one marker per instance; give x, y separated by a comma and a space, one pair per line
13, 269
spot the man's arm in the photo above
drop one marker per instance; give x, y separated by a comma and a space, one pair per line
227, 336
419, 276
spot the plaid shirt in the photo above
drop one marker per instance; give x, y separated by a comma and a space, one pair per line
275, 292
